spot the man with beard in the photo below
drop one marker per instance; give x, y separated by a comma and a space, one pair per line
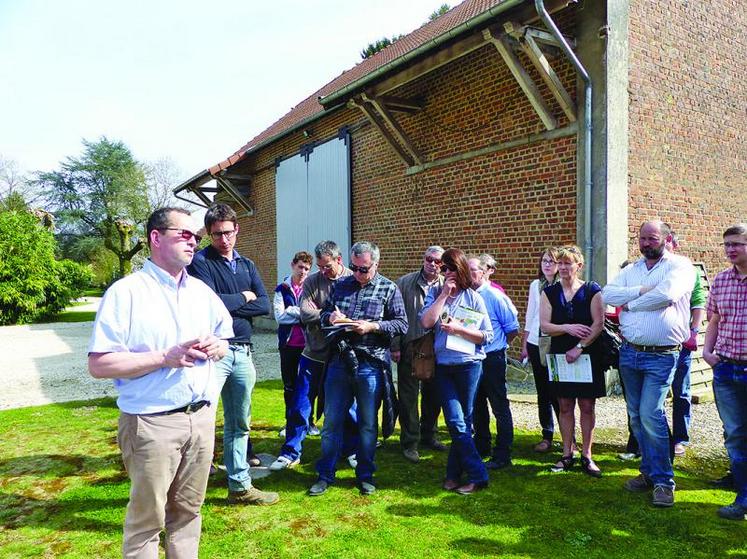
654, 293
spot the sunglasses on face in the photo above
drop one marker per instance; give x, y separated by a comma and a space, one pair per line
185, 234
432, 260
360, 269
446, 268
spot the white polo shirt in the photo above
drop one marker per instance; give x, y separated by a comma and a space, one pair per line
149, 311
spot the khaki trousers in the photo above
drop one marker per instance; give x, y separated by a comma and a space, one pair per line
168, 460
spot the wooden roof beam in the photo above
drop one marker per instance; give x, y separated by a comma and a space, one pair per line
378, 123
524, 80
394, 126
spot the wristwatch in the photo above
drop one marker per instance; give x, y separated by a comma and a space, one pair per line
579, 345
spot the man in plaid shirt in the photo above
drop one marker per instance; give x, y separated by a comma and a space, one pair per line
726, 351
371, 306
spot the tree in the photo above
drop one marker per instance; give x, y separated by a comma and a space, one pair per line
101, 194
162, 176
380, 44
32, 283
439, 12
15, 188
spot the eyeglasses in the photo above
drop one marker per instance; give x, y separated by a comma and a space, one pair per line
446, 268
733, 245
431, 260
360, 269
219, 234
185, 234
327, 267
547, 262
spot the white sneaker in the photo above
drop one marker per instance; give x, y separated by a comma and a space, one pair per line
281, 433
283, 462
352, 461
314, 431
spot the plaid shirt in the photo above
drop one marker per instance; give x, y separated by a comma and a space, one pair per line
728, 298
378, 301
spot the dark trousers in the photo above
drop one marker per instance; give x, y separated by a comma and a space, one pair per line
289, 358
546, 402
493, 389
415, 427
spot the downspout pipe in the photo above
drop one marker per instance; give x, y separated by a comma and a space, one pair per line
566, 48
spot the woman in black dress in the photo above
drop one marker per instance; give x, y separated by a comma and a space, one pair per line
572, 312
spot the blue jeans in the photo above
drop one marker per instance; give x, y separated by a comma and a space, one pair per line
730, 390
457, 387
647, 378
236, 375
494, 390
299, 415
681, 398
340, 389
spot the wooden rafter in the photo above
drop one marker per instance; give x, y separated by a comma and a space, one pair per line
522, 77
396, 129
375, 119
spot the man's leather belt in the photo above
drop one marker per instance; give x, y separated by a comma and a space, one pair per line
654, 348
732, 361
188, 409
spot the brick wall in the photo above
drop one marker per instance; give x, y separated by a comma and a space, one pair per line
688, 116
511, 204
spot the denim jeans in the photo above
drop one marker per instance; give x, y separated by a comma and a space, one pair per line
647, 378
236, 375
681, 398
730, 390
299, 417
366, 387
457, 387
546, 402
494, 390
414, 427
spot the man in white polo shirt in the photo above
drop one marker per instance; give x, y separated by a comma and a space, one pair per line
654, 293
158, 334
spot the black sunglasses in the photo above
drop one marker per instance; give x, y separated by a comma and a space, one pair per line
446, 268
185, 234
360, 269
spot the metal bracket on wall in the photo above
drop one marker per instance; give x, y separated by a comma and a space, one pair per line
504, 48
377, 111
236, 191
528, 39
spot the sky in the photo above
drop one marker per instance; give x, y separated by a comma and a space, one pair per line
189, 80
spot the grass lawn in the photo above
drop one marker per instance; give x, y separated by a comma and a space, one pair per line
63, 492
71, 315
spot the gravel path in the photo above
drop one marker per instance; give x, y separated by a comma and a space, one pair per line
46, 363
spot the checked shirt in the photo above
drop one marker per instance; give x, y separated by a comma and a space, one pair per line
378, 301
728, 298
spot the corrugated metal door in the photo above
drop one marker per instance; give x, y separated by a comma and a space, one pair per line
329, 195
312, 194
291, 211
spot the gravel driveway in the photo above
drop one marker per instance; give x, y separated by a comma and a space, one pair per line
46, 363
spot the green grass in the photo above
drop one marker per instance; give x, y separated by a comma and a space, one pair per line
63, 492
94, 292
72, 316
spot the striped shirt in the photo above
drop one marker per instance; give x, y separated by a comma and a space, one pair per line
661, 316
728, 299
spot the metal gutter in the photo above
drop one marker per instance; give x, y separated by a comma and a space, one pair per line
422, 49
565, 47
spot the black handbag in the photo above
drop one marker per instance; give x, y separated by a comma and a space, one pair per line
610, 341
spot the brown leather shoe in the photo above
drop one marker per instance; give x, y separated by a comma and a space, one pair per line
469, 488
252, 496
451, 484
543, 446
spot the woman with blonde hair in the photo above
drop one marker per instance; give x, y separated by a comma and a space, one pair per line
572, 313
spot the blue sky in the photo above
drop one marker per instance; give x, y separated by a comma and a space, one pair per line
189, 80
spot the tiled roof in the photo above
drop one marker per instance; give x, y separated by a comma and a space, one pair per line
310, 107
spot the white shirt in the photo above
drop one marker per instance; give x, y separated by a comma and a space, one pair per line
532, 322
149, 311
661, 316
